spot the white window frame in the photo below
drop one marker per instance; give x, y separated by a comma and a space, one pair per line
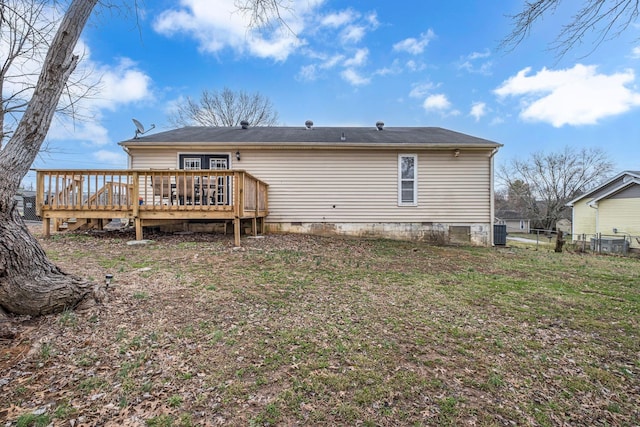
195, 163
414, 202
218, 163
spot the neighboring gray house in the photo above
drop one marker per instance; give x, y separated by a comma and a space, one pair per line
516, 222
405, 182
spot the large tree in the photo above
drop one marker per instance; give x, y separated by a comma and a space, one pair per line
602, 19
29, 282
543, 183
225, 108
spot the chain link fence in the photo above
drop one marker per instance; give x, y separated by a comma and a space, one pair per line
621, 244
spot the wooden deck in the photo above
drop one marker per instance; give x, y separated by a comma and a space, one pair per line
151, 197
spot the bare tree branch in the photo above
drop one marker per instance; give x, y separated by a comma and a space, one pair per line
542, 185
26, 30
607, 19
264, 13
225, 108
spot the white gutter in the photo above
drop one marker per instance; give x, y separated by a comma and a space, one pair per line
129, 157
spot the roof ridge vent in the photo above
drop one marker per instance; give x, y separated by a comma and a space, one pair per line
309, 124
380, 125
244, 124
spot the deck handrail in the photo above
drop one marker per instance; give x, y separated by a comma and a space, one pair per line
102, 194
81, 190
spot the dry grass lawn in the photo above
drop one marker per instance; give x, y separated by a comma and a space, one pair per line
300, 330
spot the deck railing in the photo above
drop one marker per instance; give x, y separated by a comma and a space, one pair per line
150, 194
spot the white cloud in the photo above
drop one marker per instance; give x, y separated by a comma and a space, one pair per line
421, 90
635, 52
415, 46
115, 86
574, 96
473, 63
354, 78
308, 73
89, 132
339, 19
332, 61
359, 59
439, 103
478, 110
352, 34
372, 19
395, 68
223, 26
436, 102
415, 66
111, 157
341, 34
122, 84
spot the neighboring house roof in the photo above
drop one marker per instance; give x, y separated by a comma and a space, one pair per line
510, 214
614, 185
625, 184
432, 137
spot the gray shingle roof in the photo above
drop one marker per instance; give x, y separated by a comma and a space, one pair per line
318, 135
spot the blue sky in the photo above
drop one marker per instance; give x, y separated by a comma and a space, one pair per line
352, 63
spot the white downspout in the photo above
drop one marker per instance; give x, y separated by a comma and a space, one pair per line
594, 205
492, 197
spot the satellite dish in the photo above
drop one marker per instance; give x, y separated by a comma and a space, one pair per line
140, 129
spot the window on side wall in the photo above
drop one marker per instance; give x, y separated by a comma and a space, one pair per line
407, 180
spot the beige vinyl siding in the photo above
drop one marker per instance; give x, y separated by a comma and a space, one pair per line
154, 159
621, 214
351, 186
305, 185
584, 219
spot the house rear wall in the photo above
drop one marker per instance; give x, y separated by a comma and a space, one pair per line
356, 191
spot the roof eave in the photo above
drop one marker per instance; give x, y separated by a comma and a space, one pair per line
311, 145
596, 189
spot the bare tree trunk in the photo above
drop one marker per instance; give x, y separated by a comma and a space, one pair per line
559, 241
29, 282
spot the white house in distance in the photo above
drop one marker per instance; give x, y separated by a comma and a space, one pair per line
413, 183
612, 209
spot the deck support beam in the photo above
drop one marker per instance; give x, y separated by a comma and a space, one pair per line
46, 227
138, 222
236, 232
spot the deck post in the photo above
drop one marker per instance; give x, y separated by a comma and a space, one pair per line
46, 227
138, 222
236, 232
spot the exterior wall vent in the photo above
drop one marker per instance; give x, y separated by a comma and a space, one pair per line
380, 125
244, 124
309, 124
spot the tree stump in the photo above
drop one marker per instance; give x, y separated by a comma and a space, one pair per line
559, 241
